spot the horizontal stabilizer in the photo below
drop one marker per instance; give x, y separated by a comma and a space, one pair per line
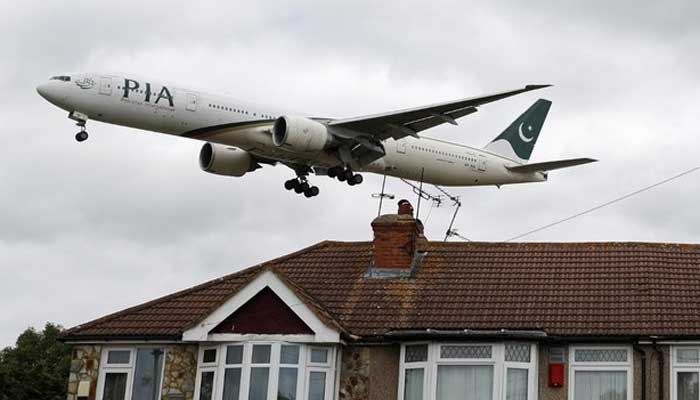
550, 165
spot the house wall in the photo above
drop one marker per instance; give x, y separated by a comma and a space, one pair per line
84, 367
369, 372
545, 392
652, 374
179, 372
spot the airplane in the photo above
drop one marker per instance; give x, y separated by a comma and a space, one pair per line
241, 137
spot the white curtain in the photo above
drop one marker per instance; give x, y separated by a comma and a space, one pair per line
413, 389
600, 385
464, 382
687, 385
516, 384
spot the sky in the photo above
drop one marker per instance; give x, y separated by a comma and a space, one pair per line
90, 228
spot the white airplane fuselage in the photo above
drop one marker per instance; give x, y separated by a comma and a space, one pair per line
149, 105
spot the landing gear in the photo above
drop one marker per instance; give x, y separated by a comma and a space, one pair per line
345, 175
81, 120
300, 185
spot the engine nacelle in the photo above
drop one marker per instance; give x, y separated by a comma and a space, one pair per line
301, 134
225, 160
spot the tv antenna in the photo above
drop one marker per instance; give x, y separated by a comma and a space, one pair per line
381, 196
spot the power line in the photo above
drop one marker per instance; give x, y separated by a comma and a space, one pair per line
598, 207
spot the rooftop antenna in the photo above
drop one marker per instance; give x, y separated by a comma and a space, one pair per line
382, 195
458, 205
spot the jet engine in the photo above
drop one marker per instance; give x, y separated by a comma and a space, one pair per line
301, 134
225, 160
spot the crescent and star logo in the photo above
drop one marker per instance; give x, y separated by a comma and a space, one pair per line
85, 83
522, 135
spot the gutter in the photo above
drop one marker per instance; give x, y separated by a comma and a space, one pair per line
438, 333
121, 339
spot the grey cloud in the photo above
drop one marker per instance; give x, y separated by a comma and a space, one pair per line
127, 216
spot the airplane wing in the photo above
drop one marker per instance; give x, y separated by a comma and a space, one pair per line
550, 165
408, 122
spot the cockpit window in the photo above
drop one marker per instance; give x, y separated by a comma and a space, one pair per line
64, 78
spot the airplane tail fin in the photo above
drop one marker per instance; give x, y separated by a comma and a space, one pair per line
518, 140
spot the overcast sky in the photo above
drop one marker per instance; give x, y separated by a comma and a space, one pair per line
90, 228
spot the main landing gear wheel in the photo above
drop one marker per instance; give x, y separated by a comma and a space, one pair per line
300, 185
345, 175
311, 192
81, 136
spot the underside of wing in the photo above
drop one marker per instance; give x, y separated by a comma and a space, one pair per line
409, 122
550, 165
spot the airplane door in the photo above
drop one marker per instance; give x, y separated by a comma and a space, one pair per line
482, 163
106, 86
191, 102
401, 146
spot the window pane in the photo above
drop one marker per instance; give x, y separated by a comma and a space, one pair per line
232, 383
518, 352
465, 351
209, 356
688, 356
234, 354
601, 355
600, 385
413, 385
687, 385
465, 382
417, 353
289, 355
118, 356
317, 385
287, 388
206, 386
149, 364
261, 354
319, 355
258, 383
115, 386
516, 384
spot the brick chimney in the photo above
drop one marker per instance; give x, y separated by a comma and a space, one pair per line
397, 238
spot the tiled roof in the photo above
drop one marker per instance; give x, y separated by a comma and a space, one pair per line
563, 289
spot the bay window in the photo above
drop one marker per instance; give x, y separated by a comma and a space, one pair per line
685, 372
600, 373
473, 371
265, 371
130, 373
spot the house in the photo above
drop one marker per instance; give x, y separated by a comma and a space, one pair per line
402, 317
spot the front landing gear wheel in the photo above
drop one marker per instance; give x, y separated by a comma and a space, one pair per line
81, 136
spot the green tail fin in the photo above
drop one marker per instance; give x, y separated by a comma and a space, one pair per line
518, 140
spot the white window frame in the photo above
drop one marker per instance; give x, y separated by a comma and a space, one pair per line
676, 366
497, 361
304, 367
627, 366
129, 368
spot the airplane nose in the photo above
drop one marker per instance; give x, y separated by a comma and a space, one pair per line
43, 90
